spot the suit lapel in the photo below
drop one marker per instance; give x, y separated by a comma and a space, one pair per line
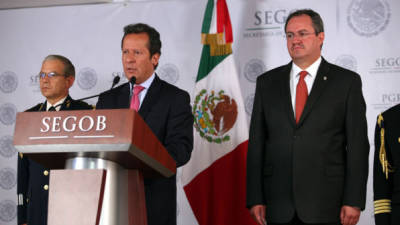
285, 89
151, 97
319, 84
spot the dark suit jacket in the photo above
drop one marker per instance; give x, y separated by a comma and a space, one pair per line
166, 110
32, 177
387, 189
314, 167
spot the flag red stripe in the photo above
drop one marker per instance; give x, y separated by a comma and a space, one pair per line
224, 21
217, 195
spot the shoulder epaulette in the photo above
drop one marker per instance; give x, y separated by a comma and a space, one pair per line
386, 167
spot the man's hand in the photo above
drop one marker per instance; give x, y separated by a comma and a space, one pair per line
349, 215
258, 214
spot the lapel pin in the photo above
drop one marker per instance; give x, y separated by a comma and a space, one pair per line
325, 78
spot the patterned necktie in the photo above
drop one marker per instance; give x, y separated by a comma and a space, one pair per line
301, 95
52, 108
135, 102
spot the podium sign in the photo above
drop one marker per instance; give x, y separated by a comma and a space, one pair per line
118, 135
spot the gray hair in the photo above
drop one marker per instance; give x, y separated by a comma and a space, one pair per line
69, 69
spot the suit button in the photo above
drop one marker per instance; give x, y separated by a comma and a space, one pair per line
46, 172
46, 187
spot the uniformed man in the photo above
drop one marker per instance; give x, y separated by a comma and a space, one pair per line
386, 168
56, 77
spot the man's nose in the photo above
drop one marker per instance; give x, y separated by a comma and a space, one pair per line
130, 57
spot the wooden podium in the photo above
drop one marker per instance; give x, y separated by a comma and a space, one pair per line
97, 159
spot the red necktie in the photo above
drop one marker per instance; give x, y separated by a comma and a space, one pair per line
301, 95
135, 102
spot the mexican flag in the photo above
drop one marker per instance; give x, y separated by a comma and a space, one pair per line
214, 180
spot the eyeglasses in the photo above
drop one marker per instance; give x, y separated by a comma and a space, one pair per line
49, 75
290, 36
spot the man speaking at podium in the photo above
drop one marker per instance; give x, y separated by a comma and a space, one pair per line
165, 109
56, 77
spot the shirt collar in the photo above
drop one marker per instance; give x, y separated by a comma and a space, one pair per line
311, 70
57, 104
146, 84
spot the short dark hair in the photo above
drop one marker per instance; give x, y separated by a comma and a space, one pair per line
69, 69
154, 37
316, 19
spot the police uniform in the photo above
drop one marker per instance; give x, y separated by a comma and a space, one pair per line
33, 178
386, 168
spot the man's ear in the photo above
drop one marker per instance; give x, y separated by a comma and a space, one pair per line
70, 81
154, 59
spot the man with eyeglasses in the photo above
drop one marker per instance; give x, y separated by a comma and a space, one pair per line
56, 77
307, 159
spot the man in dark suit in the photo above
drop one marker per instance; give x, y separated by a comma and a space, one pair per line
165, 109
56, 77
386, 168
308, 151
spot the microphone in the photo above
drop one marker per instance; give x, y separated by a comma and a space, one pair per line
115, 82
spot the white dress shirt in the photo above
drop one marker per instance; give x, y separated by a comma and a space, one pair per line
58, 104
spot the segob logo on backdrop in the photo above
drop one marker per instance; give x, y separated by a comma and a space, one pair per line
8, 178
368, 17
169, 72
265, 23
347, 61
386, 65
87, 78
253, 69
8, 82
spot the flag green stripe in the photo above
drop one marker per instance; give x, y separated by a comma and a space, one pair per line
208, 62
205, 29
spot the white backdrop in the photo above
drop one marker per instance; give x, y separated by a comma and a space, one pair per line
360, 35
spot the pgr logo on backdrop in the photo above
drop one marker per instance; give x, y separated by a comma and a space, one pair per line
368, 17
7, 148
8, 113
253, 69
347, 61
266, 23
387, 100
169, 72
249, 104
8, 178
8, 82
8, 210
87, 78
385, 65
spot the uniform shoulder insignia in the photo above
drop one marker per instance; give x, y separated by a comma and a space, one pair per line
68, 103
386, 167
